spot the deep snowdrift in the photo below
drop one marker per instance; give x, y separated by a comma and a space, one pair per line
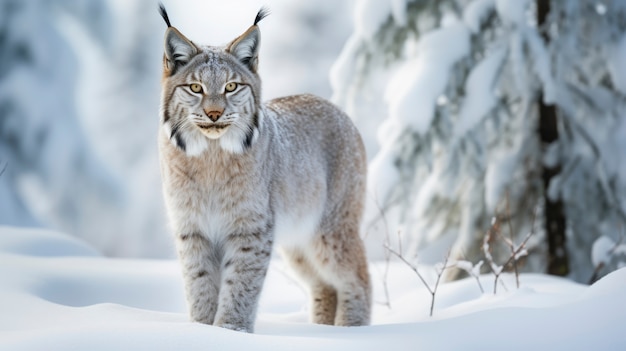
57, 293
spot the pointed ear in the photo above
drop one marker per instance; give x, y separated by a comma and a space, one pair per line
246, 48
178, 50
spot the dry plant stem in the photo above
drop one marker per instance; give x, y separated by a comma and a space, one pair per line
387, 257
480, 286
598, 268
419, 275
510, 241
471, 272
516, 252
387, 301
433, 290
596, 273
512, 258
385, 281
495, 269
439, 274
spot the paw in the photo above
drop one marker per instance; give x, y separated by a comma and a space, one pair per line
235, 327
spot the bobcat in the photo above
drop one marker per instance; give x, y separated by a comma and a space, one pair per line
239, 174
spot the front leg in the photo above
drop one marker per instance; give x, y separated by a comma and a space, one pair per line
200, 263
246, 258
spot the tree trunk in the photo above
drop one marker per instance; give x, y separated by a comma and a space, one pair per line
554, 221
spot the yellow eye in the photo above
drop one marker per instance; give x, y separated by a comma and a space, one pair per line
230, 87
195, 87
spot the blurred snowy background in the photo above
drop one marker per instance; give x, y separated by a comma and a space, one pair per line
478, 115
79, 97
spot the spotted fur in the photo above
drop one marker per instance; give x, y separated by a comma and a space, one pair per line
239, 175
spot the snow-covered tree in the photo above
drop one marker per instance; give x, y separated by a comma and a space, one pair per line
46, 159
79, 90
118, 98
454, 99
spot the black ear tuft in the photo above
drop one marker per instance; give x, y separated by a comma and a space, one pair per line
263, 12
163, 13
246, 46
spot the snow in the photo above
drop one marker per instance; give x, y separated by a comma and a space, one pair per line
542, 67
455, 138
471, 269
601, 250
604, 249
413, 92
398, 11
59, 294
512, 11
381, 177
476, 12
96, 178
499, 169
480, 92
370, 15
616, 66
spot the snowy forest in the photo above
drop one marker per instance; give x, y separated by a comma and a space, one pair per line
475, 114
79, 97
497, 116
496, 139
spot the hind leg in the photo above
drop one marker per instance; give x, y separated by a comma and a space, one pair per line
323, 295
340, 259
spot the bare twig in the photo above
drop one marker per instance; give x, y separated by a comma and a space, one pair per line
439, 274
386, 272
472, 269
410, 265
431, 290
517, 251
387, 301
510, 242
495, 269
386, 243
596, 272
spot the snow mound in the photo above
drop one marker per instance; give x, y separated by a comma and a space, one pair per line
57, 294
41, 242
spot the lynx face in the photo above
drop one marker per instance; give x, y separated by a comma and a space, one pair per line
211, 94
